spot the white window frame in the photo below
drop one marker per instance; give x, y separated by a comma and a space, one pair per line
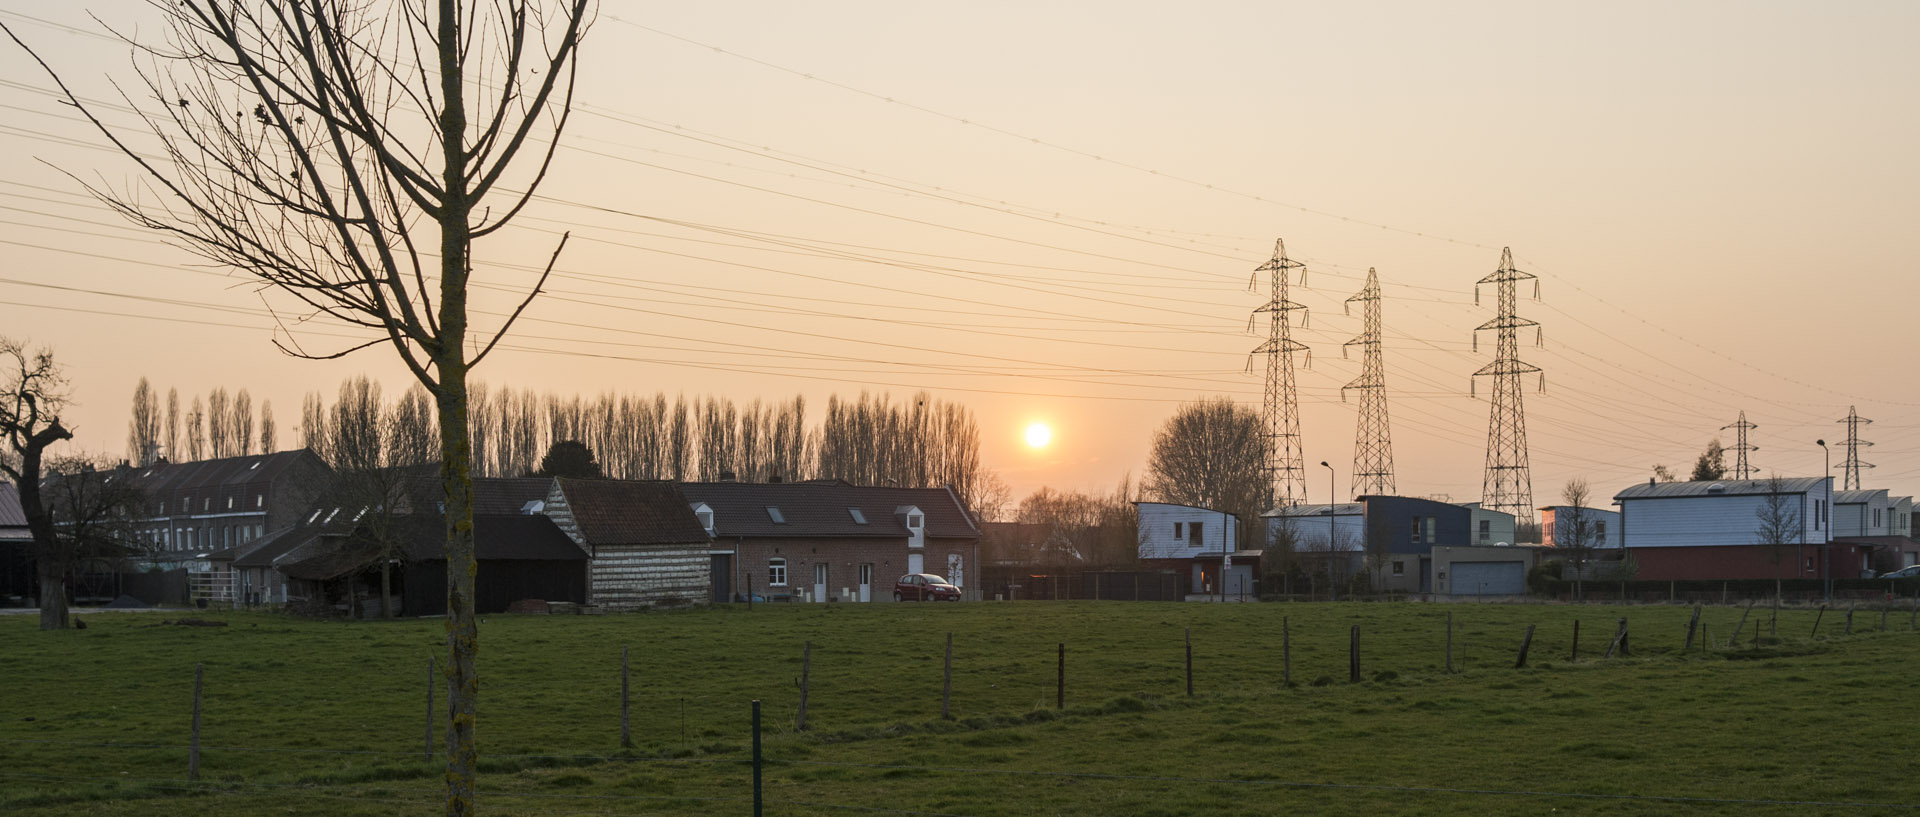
777, 572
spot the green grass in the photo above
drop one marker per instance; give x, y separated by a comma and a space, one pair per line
328, 717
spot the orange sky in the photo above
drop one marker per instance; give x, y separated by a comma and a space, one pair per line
1067, 201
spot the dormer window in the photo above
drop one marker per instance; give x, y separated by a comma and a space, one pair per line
259, 500
858, 517
773, 513
913, 521
704, 513
207, 505
229, 503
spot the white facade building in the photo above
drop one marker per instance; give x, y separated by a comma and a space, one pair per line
1489, 527
1169, 531
1721, 512
1345, 522
1864, 512
1605, 525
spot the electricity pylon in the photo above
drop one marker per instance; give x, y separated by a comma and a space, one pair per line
1372, 440
1851, 468
1280, 416
1508, 483
1741, 470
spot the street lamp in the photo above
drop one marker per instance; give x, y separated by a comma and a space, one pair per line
1330, 546
1826, 550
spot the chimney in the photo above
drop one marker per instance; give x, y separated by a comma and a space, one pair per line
774, 480
1649, 480
726, 476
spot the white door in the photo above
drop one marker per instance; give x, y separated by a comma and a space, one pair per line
916, 562
956, 571
819, 581
866, 583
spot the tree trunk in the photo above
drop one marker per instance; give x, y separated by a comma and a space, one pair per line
53, 595
386, 587
463, 636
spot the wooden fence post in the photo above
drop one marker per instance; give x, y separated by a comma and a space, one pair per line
1816, 622
946, 685
1742, 625
1286, 652
1849, 619
1692, 624
1883, 616
626, 735
1353, 655
428, 753
1060, 689
1189, 662
1619, 641
193, 748
1449, 641
1525, 643
756, 756
806, 672
1576, 641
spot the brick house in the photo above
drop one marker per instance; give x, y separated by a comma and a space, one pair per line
832, 541
211, 505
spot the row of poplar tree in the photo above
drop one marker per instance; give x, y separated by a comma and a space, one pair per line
869, 440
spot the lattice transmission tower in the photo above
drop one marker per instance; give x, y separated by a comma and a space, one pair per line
1741, 469
1372, 439
1851, 467
1508, 483
1286, 473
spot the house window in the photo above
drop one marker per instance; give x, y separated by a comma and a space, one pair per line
1486, 530
777, 573
1179, 531
1399, 568
1416, 530
858, 517
207, 505
913, 521
704, 513
1809, 563
229, 503
778, 518
183, 504
259, 500
1194, 533
1429, 521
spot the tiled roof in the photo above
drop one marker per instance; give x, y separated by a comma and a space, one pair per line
632, 512
1728, 487
814, 509
224, 472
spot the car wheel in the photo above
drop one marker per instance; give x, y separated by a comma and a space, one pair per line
896, 596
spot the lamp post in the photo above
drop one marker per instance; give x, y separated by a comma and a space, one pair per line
1826, 548
1330, 544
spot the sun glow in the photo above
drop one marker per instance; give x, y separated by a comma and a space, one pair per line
1038, 435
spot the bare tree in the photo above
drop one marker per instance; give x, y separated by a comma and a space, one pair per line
269, 434
1576, 532
143, 430
409, 426
373, 152
313, 426
240, 422
1780, 527
196, 431
92, 506
173, 424
1210, 454
35, 390
357, 442
219, 428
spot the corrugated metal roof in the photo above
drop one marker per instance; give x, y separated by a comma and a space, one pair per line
1726, 487
1339, 509
11, 515
1858, 496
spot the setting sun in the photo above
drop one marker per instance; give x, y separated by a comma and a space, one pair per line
1038, 435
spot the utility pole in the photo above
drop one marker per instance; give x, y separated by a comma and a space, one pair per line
1508, 483
1850, 467
1372, 440
1742, 470
1286, 474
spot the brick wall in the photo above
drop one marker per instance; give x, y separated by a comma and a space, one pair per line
843, 558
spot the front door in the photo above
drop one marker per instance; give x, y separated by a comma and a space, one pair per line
916, 562
866, 582
722, 578
819, 581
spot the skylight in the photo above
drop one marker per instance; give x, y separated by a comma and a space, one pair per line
774, 514
858, 517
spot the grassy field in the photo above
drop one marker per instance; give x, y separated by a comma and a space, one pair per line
306, 717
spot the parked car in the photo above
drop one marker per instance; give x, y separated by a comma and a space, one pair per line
1907, 572
924, 587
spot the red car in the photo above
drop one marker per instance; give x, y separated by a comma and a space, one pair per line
924, 587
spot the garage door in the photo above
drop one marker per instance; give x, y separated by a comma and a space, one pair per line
1488, 578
